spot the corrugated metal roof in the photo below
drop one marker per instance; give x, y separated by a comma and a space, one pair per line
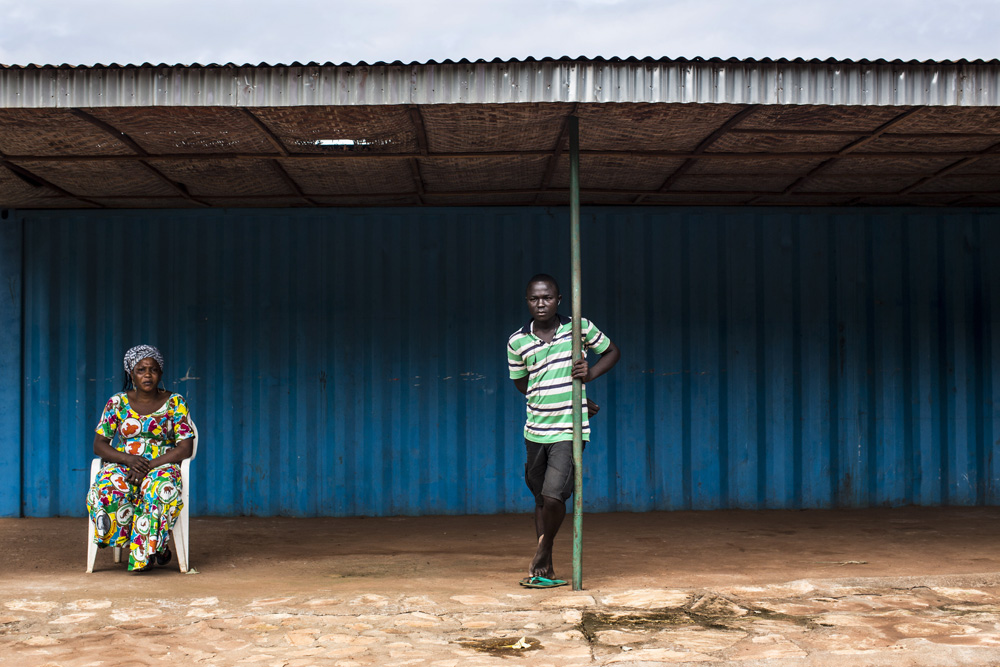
584, 80
466, 61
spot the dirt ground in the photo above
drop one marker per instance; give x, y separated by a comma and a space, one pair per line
677, 587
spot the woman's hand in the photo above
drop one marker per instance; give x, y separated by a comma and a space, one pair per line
138, 468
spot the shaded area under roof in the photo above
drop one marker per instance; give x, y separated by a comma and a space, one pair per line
680, 133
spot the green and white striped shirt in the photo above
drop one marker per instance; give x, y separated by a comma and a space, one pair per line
549, 368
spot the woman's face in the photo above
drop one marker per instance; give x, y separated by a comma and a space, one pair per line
146, 374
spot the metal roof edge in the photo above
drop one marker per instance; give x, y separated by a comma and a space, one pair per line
545, 59
565, 79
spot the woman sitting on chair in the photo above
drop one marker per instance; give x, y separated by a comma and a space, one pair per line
136, 498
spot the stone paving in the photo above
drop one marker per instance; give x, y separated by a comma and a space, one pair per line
948, 621
858, 588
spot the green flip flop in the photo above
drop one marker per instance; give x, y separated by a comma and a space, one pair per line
541, 582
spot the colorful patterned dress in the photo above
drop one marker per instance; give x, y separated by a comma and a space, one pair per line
139, 516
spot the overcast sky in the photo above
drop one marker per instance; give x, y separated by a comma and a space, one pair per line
88, 32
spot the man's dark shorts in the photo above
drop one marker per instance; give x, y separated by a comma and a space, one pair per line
549, 469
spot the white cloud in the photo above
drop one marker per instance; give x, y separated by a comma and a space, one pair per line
248, 31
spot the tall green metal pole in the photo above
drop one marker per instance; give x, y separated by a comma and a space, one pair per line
574, 242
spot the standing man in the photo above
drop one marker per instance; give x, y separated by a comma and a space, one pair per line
539, 356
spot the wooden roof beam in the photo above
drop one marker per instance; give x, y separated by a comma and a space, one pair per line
557, 149
420, 134
110, 130
851, 147
37, 181
279, 146
281, 173
992, 150
418, 180
140, 152
608, 191
734, 120
271, 137
714, 155
856, 133
419, 129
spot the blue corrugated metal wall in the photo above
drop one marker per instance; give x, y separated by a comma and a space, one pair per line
10, 364
343, 362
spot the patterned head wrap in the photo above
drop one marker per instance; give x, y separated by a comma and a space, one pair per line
140, 352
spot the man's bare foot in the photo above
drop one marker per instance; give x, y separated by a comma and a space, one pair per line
541, 564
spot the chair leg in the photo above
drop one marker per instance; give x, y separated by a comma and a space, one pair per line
91, 547
181, 530
180, 536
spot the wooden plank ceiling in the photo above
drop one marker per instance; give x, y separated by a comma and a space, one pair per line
510, 154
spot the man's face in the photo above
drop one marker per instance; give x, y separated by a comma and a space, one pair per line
542, 300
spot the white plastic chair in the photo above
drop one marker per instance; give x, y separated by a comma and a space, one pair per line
179, 531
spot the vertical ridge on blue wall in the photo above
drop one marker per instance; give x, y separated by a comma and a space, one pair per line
351, 362
11, 361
